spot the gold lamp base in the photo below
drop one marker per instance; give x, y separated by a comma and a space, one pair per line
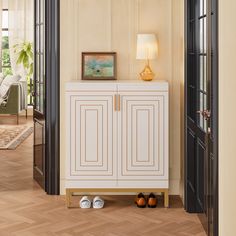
147, 74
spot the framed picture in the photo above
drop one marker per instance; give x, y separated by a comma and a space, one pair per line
98, 65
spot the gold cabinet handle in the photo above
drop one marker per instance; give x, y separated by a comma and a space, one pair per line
117, 102
118, 105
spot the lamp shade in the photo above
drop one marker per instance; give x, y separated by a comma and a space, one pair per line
147, 47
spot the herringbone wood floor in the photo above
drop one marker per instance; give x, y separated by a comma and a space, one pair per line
25, 210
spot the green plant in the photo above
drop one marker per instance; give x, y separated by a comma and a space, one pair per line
6, 62
25, 57
5, 42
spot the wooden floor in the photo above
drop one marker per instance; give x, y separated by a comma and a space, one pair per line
25, 210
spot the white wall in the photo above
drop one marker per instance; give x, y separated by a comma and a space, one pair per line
111, 25
227, 117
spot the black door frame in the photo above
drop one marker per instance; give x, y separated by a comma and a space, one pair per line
214, 71
215, 112
52, 148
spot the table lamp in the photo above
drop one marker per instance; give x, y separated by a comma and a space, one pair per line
147, 49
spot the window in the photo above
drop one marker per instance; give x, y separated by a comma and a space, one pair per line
6, 62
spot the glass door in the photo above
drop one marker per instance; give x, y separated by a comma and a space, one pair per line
201, 189
39, 94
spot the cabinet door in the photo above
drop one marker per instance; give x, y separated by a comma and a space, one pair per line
143, 137
91, 151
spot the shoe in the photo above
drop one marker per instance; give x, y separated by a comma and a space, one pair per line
98, 202
140, 201
85, 203
152, 201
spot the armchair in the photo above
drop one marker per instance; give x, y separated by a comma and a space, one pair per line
15, 102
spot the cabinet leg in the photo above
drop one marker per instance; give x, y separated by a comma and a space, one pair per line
166, 198
68, 198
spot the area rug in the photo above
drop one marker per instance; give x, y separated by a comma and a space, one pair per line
11, 136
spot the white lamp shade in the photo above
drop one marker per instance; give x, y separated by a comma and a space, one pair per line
147, 47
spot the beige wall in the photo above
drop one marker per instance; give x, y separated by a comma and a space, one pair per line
227, 117
111, 25
177, 105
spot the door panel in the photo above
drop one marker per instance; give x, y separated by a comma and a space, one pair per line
191, 177
201, 112
93, 139
142, 120
39, 152
201, 154
196, 103
39, 95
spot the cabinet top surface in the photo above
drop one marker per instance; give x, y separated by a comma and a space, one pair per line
112, 84
117, 82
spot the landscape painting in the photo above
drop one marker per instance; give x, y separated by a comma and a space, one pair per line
99, 66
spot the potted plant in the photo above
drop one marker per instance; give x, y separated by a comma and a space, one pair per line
25, 57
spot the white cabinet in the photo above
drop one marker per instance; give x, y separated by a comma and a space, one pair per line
117, 136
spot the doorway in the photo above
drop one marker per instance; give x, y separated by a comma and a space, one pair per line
46, 92
201, 113
42, 70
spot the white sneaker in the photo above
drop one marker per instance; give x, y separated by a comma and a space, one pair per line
85, 203
98, 202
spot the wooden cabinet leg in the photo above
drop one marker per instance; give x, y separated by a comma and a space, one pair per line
68, 198
166, 198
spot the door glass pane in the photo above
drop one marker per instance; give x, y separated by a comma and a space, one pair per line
41, 38
201, 34
37, 96
37, 12
205, 7
205, 73
41, 98
42, 11
205, 36
201, 107
37, 38
41, 68
37, 68
40, 59
201, 6
201, 73
205, 108
202, 67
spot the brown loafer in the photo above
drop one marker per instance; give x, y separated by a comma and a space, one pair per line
152, 201
140, 201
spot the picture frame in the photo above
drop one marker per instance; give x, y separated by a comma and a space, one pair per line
99, 66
